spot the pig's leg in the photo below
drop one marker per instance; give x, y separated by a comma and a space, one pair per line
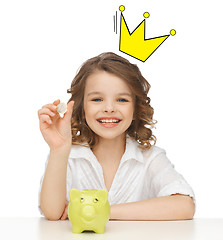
100, 229
77, 229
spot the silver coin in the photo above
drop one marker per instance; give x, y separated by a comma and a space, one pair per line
62, 108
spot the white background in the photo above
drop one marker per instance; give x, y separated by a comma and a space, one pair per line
43, 43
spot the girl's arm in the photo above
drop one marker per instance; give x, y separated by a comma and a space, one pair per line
174, 207
53, 191
57, 133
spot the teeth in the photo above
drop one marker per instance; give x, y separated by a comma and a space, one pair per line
109, 121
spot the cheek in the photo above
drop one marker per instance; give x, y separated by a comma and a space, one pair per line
130, 111
89, 109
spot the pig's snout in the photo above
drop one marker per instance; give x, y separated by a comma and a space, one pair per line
88, 212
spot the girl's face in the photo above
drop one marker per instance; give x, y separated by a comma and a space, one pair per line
108, 96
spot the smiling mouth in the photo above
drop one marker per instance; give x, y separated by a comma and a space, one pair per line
109, 122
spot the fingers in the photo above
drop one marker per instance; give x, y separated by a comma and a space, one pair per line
45, 119
65, 213
70, 105
50, 106
48, 112
56, 102
69, 112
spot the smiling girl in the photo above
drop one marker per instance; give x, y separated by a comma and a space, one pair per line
105, 141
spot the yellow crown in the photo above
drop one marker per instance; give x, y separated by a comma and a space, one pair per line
135, 44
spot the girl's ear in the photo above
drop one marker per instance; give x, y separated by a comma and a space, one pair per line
74, 194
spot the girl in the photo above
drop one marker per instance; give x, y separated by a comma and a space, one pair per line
105, 141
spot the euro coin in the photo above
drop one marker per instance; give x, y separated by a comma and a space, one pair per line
62, 108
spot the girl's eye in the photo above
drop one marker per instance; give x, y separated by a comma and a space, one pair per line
95, 100
121, 100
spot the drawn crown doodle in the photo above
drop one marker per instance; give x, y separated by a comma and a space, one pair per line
135, 44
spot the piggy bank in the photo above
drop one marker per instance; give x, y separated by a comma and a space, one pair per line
88, 210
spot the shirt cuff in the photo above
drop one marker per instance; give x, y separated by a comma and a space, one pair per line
177, 187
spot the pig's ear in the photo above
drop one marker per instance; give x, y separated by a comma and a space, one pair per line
74, 193
102, 194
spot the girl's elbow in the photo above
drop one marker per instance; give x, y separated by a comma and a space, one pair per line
189, 209
51, 216
185, 208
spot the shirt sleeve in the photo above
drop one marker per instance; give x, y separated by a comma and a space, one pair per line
68, 184
164, 180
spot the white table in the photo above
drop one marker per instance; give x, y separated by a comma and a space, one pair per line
42, 229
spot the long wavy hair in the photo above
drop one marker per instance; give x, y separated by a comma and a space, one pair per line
140, 128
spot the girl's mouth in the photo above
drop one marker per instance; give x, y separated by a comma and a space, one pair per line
109, 124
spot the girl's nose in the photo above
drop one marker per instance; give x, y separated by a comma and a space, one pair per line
109, 107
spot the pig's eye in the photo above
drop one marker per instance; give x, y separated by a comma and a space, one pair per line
95, 200
82, 199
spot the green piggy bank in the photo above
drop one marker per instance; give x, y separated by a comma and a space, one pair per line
88, 210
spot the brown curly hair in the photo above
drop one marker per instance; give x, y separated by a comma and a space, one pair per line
140, 128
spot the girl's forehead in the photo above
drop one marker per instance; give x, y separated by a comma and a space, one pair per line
102, 81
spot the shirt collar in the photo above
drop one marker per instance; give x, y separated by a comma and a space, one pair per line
132, 151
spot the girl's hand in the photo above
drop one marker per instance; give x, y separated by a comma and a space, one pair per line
56, 130
65, 213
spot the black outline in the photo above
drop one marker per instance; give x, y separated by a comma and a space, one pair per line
144, 37
116, 22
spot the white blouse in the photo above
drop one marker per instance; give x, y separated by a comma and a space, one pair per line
142, 174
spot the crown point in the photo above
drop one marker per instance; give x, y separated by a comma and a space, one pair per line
172, 32
122, 8
146, 15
